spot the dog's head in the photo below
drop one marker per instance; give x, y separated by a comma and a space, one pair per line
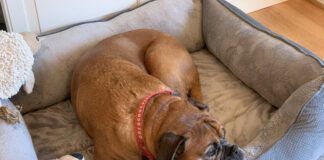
195, 136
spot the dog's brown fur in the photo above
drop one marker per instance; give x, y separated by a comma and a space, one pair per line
113, 78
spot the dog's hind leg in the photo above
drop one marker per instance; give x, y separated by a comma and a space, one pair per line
168, 61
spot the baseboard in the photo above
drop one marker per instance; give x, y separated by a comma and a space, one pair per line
249, 6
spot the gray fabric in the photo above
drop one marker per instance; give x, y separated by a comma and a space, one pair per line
305, 138
15, 141
56, 131
283, 119
59, 52
267, 64
322, 157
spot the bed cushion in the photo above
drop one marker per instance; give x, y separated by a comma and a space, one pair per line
59, 52
55, 131
238, 107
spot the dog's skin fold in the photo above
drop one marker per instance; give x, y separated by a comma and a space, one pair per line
111, 80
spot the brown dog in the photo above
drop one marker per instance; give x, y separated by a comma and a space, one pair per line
117, 79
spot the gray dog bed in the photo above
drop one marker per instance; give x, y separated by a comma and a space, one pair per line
265, 89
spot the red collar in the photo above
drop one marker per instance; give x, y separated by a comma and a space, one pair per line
138, 123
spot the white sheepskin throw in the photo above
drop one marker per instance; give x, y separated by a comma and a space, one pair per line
16, 61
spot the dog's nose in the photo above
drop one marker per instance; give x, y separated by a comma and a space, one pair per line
236, 153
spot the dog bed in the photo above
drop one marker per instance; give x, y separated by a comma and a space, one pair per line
230, 100
267, 90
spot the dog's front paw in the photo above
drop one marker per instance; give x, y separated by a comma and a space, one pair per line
199, 105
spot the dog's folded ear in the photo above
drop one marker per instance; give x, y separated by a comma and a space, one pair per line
170, 146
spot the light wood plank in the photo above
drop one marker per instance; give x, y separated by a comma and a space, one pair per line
298, 20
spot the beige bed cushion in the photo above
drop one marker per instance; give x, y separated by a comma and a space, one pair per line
59, 52
55, 130
239, 108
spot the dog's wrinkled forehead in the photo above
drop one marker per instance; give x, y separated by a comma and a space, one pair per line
200, 137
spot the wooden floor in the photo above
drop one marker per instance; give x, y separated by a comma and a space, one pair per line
298, 20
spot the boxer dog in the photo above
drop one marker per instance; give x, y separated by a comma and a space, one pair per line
137, 94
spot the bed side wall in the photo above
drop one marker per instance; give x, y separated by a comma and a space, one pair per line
269, 63
295, 129
304, 139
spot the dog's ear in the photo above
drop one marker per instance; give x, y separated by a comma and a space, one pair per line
170, 146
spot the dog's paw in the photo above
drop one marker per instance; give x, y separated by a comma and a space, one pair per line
199, 105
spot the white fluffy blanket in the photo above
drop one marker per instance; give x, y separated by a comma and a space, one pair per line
16, 60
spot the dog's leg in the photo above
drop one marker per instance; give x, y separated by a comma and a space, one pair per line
170, 64
195, 90
195, 95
